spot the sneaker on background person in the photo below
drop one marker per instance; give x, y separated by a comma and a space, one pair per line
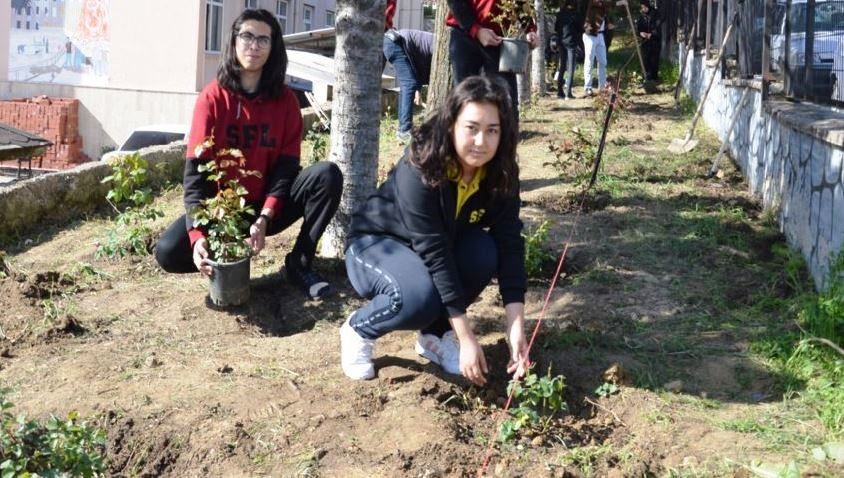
309, 281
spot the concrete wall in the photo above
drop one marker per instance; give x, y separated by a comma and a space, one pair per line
791, 156
60, 197
108, 115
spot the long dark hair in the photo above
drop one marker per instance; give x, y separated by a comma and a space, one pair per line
272, 76
432, 148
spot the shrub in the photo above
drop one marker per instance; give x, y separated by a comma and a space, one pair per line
58, 447
131, 198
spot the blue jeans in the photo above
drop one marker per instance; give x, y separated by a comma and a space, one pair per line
401, 293
408, 82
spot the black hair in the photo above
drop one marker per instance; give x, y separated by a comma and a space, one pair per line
272, 76
432, 148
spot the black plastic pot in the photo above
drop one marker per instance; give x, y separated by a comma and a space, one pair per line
514, 55
229, 283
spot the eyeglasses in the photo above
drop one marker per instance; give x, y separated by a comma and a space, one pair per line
248, 39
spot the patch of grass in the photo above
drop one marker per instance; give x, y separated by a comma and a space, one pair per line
586, 458
687, 105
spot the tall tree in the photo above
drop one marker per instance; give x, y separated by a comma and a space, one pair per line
356, 110
537, 73
441, 77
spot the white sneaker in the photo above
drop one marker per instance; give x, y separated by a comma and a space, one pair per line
444, 351
355, 354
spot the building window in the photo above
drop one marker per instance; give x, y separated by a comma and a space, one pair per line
37, 10
213, 25
281, 14
308, 17
253, 4
329, 18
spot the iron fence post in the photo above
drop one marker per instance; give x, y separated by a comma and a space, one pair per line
809, 49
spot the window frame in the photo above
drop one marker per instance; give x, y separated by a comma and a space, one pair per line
212, 6
308, 23
333, 17
282, 19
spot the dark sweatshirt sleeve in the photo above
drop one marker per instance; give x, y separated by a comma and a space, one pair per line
196, 185
285, 169
507, 234
421, 213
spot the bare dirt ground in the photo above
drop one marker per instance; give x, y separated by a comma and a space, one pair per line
186, 390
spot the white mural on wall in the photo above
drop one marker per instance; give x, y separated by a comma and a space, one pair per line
60, 41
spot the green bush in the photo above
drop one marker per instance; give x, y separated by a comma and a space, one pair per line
131, 198
58, 447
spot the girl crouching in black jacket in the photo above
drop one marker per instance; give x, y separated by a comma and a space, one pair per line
426, 244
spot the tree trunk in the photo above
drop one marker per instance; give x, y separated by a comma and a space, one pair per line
356, 110
441, 78
538, 86
523, 83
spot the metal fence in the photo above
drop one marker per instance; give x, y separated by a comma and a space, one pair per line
795, 46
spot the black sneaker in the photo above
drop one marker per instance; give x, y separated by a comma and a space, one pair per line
310, 282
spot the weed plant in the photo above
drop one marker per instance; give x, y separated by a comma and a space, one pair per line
536, 256
69, 447
131, 197
540, 401
317, 138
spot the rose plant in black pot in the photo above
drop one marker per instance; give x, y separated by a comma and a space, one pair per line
514, 17
225, 217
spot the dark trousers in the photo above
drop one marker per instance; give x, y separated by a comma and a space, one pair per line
469, 58
401, 292
650, 54
314, 196
567, 60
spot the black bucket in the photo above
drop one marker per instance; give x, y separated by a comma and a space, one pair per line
229, 283
514, 55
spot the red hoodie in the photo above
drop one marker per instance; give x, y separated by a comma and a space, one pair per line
267, 131
471, 15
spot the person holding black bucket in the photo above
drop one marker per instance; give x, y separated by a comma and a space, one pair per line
248, 107
647, 26
475, 38
428, 242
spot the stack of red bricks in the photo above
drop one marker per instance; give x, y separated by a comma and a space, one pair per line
54, 119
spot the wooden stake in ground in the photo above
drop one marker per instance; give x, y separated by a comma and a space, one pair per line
687, 144
714, 169
633, 29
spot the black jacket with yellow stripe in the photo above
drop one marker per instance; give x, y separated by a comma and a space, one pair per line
423, 218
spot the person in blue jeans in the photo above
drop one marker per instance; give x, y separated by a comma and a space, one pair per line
410, 53
435, 233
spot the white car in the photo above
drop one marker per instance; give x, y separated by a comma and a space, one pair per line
829, 28
152, 135
838, 72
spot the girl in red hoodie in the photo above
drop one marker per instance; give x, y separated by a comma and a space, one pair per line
250, 108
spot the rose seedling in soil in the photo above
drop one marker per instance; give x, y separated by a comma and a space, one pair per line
540, 400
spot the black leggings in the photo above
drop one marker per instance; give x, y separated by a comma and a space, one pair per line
314, 196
